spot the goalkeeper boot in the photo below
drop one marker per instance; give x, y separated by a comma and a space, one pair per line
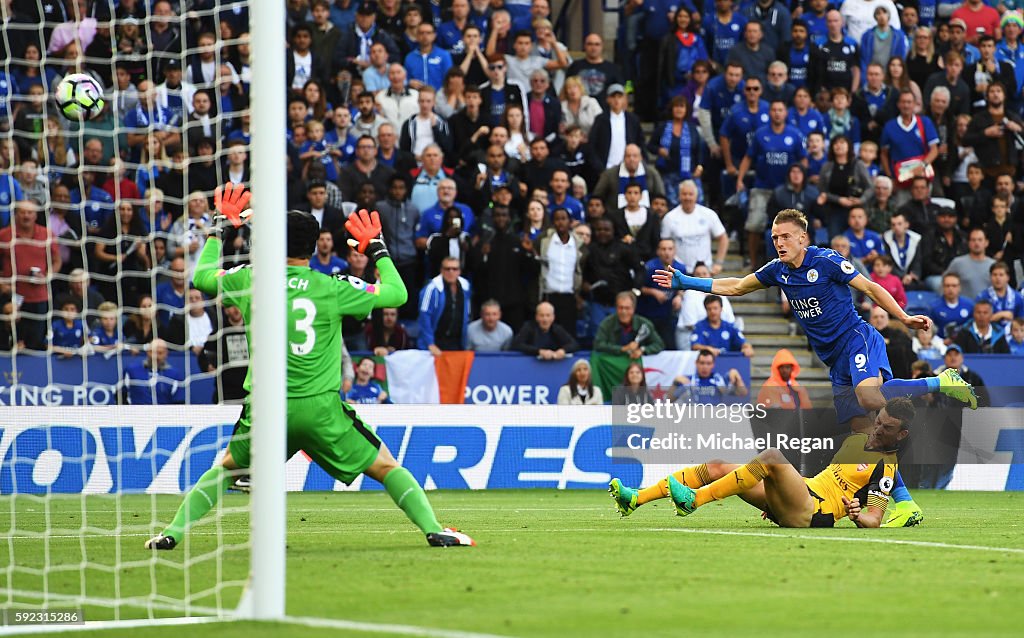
683, 497
624, 497
241, 484
161, 542
953, 385
449, 537
904, 514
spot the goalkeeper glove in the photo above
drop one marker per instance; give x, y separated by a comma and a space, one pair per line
367, 234
232, 204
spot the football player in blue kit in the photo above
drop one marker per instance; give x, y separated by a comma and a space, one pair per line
816, 282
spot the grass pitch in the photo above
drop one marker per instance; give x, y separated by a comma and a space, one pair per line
551, 563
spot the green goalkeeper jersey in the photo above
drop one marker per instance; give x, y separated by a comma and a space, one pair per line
316, 303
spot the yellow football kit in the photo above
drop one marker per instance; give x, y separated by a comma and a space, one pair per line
855, 472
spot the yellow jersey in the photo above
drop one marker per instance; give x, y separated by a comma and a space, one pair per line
855, 472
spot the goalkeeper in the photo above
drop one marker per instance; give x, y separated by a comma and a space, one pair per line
319, 422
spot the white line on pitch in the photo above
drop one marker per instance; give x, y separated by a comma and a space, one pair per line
681, 530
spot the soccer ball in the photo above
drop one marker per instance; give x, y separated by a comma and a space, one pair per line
79, 97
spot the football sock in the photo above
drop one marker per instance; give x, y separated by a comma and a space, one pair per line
200, 499
411, 499
900, 492
909, 387
739, 480
693, 477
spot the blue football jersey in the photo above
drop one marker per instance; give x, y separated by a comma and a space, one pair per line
819, 294
947, 318
773, 153
739, 128
68, 337
367, 394
703, 389
861, 247
725, 337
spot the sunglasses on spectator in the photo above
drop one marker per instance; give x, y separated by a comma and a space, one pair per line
752, 89
496, 67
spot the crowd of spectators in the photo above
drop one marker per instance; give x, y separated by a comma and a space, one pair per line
515, 179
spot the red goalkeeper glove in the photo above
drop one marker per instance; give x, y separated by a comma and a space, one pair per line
232, 204
367, 234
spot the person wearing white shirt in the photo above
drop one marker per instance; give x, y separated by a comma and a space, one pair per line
692, 227
397, 103
693, 310
860, 16
617, 147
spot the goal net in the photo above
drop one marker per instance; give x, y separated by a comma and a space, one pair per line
121, 385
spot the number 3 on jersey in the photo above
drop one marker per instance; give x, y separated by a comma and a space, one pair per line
304, 325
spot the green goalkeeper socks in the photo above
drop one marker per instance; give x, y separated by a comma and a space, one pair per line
411, 499
200, 500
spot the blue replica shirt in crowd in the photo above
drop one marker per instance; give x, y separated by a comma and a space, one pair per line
722, 37
656, 13
814, 165
347, 146
1016, 348
877, 101
1015, 55
428, 68
648, 306
1011, 300
725, 337
167, 300
810, 122
98, 207
449, 37
10, 192
926, 12
862, 246
369, 393
432, 218
324, 158
772, 154
904, 143
819, 294
703, 389
99, 337
65, 336
817, 28
947, 317
799, 64
159, 117
147, 387
720, 100
334, 266
739, 128
571, 204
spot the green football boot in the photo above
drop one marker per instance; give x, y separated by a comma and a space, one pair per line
624, 497
953, 385
683, 497
903, 514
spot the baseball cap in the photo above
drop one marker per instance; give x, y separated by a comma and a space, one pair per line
954, 346
172, 65
367, 9
315, 183
945, 211
615, 88
958, 22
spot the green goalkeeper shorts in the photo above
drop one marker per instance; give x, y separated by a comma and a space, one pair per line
324, 427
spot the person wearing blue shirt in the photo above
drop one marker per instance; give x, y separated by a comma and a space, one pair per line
365, 389
817, 283
775, 19
797, 54
170, 295
804, 116
952, 310
432, 218
154, 381
96, 206
722, 93
907, 136
107, 335
1007, 303
324, 260
717, 335
899, 45
449, 34
707, 386
1009, 49
560, 197
736, 132
428, 64
772, 150
815, 16
67, 332
657, 304
148, 116
10, 192
723, 29
1015, 337
865, 244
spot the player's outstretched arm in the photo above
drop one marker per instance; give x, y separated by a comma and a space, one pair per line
726, 286
882, 297
232, 206
368, 238
869, 516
